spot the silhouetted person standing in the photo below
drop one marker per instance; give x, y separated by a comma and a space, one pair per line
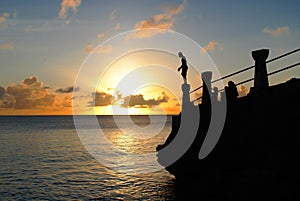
183, 66
231, 91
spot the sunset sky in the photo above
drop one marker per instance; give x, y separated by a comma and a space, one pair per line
48, 48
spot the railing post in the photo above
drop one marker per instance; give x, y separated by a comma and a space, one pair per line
185, 95
261, 81
206, 78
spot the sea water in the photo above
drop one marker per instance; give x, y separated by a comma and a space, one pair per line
42, 158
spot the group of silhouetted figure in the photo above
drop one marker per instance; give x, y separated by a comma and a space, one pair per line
230, 90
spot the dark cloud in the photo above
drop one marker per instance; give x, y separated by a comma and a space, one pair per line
31, 80
2, 92
102, 99
67, 90
6, 100
30, 94
67, 101
139, 101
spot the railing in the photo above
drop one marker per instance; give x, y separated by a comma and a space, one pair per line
250, 67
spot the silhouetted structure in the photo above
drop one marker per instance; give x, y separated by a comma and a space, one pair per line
206, 79
214, 95
261, 81
247, 163
231, 91
183, 67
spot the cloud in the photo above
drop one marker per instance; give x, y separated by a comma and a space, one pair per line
89, 48
243, 91
118, 26
173, 109
101, 49
158, 23
43, 27
101, 36
276, 32
4, 17
6, 46
2, 92
67, 89
112, 15
211, 46
31, 95
6, 100
67, 6
14, 15
139, 101
67, 101
102, 99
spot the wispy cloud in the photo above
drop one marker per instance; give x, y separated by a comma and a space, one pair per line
68, 6
6, 46
14, 15
101, 49
89, 48
118, 26
113, 15
43, 27
276, 32
67, 89
101, 36
212, 46
4, 17
104, 49
158, 23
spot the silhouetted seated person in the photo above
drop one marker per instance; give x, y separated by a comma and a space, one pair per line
231, 91
183, 66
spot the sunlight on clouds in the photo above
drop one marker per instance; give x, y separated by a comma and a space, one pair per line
31, 97
101, 36
67, 5
146, 99
150, 99
118, 26
112, 15
100, 49
276, 32
160, 22
6, 46
4, 17
211, 46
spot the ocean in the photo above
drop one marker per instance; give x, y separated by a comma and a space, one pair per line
42, 158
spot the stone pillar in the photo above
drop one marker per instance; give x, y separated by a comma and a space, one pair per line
185, 95
261, 81
206, 90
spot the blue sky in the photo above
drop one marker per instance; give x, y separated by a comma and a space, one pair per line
37, 40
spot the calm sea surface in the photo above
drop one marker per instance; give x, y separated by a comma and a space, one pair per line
42, 158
